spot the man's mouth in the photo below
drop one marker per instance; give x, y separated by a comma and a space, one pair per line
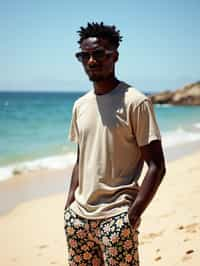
94, 69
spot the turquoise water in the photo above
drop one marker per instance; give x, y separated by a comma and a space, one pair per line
171, 118
35, 125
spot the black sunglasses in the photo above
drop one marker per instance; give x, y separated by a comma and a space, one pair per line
97, 55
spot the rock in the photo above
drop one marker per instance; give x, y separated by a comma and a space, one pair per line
163, 97
189, 251
181, 227
188, 95
158, 258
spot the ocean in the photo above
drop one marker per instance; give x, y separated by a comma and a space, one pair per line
34, 129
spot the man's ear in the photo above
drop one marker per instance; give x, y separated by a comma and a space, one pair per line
116, 56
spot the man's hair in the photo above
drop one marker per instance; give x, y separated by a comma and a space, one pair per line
100, 30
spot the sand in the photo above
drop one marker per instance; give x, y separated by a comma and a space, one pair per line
32, 233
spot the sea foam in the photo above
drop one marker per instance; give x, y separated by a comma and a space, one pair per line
197, 125
169, 139
52, 162
179, 136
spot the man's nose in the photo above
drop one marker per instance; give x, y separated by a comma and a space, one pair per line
91, 60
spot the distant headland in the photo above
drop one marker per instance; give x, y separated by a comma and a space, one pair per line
188, 95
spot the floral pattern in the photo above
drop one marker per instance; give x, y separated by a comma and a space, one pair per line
101, 242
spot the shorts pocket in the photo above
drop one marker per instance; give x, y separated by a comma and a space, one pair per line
136, 226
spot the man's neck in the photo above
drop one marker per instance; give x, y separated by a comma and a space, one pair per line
103, 87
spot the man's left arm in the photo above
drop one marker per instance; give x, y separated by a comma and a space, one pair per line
152, 154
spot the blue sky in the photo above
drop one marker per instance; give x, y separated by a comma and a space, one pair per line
160, 48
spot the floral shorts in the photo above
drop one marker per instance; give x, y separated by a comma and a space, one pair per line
101, 242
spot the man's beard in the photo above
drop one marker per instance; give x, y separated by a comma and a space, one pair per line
99, 77
96, 78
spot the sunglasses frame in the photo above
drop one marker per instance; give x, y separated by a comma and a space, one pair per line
80, 55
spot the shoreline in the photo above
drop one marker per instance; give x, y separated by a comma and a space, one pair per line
37, 184
33, 234
32, 185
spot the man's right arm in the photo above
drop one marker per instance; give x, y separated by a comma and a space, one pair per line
74, 182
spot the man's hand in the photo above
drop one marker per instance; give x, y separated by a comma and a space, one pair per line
74, 183
134, 219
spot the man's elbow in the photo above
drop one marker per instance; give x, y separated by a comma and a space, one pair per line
159, 170
162, 171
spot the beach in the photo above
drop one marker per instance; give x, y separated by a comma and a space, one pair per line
32, 232
76, 89
36, 161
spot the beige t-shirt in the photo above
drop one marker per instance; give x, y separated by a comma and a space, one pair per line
109, 130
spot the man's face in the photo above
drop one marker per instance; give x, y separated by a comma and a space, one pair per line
98, 67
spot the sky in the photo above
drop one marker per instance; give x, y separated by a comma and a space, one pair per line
38, 39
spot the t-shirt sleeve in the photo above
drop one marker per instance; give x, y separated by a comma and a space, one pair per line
144, 123
73, 129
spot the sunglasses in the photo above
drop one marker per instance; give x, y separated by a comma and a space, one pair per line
97, 55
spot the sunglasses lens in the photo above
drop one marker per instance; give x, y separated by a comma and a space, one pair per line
98, 55
82, 56
85, 56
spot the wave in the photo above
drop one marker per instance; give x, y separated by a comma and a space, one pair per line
197, 125
169, 139
52, 162
179, 136
165, 105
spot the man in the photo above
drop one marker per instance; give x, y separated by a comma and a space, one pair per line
116, 132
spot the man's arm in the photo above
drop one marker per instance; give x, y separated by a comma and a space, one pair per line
74, 182
152, 154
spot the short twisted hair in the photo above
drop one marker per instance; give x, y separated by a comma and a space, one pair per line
100, 30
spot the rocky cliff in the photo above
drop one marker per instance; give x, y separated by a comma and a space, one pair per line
188, 95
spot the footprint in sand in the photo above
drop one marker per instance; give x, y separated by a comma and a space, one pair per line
185, 258
158, 258
153, 235
148, 237
188, 255
190, 228
167, 214
144, 242
43, 246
